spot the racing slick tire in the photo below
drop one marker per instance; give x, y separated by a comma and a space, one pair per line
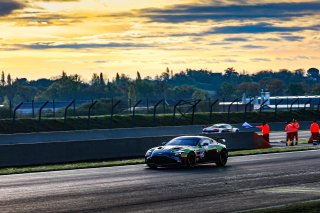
191, 160
222, 158
152, 166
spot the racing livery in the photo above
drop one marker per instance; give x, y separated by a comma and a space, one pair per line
187, 151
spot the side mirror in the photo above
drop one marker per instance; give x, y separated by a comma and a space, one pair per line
222, 140
164, 143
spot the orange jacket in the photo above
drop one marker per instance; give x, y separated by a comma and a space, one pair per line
295, 126
289, 128
265, 129
314, 127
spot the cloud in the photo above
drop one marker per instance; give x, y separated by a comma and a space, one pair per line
293, 38
250, 46
236, 39
210, 11
46, 19
258, 28
261, 27
52, 45
260, 60
8, 6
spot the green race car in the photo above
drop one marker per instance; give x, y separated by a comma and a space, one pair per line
187, 151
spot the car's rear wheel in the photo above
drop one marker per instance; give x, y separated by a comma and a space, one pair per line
151, 166
191, 159
222, 158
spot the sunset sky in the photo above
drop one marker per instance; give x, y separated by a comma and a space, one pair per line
40, 38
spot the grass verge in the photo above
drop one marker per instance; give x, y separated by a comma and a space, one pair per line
310, 206
83, 165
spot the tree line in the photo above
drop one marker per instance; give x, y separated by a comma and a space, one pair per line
188, 84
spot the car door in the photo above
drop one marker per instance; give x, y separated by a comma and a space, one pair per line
211, 151
206, 146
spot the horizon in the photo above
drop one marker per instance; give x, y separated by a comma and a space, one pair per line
42, 38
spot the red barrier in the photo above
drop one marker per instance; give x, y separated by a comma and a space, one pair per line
260, 142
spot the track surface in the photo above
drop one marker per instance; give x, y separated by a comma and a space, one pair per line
247, 182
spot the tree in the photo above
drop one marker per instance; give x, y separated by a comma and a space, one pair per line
95, 80
296, 89
249, 88
132, 92
227, 91
313, 73
3, 80
101, 81
200, 94
9, 80
275, 87
117, 77
138, 76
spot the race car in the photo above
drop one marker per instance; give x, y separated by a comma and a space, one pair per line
219, 128
187, 151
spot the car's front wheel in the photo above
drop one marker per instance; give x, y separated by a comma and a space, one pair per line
151, 166
191, 160
222, 158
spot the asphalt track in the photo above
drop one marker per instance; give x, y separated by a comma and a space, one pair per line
247, 182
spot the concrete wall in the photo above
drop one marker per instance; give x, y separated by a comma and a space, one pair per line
62, 152
86, 135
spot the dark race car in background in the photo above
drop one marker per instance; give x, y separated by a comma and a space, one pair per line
187, 151
219, 128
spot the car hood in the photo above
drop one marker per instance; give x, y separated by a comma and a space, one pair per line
170, 149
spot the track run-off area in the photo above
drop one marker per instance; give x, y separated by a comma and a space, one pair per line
247, 182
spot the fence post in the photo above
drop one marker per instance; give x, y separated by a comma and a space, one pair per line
134, 110
65, 112
32, 105
112, 110
41, 108
89, 111
246, 106
229, 107
10, 109
293, 102
174, 110
155, 110
211, 107
305, 105
276, 107
54, 108
14, 114
261, 107
74, 109
193, 109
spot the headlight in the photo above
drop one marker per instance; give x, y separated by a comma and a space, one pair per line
178, 153
149, 152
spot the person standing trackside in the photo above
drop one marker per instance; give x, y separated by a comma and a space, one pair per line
289, 130
295, 126
265, 131
314, 129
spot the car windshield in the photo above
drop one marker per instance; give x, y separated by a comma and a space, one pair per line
218, 126
184, 141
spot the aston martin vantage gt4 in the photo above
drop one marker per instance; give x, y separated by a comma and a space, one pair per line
187, 151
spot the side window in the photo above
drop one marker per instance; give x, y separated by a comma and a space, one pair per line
205, 142
212, 141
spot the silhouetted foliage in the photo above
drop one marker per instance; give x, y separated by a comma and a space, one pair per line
188, 84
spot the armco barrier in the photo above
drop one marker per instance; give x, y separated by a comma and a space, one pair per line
72, 151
